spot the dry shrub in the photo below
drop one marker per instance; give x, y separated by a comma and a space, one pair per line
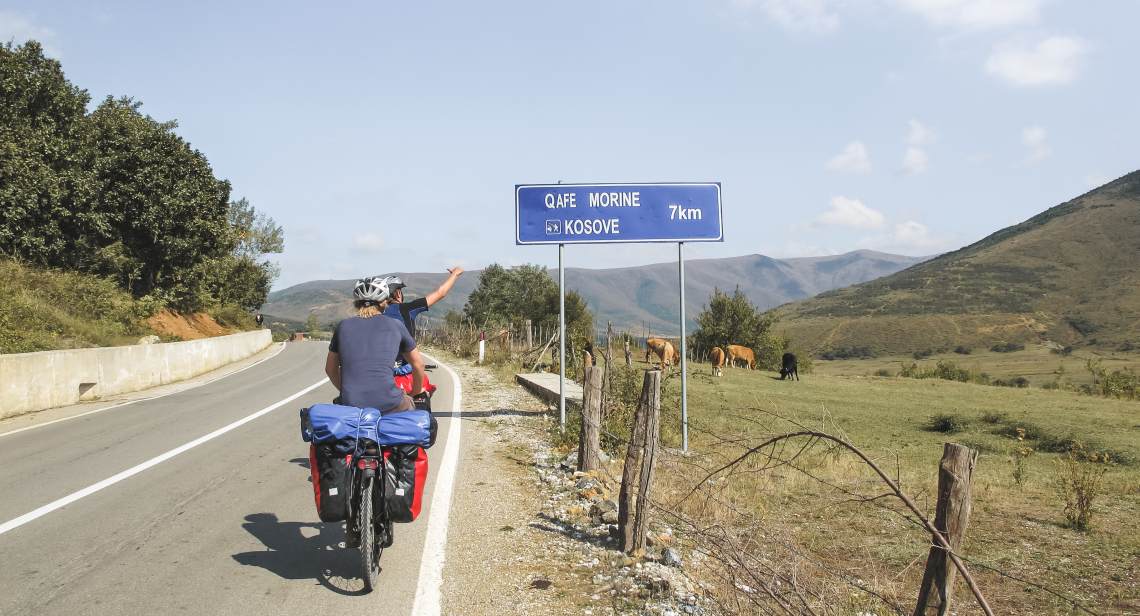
1079, 478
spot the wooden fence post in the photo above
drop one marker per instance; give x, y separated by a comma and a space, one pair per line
590, 436
955, 474
643, 449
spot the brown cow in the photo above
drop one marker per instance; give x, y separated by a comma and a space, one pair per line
663, 349
717, 357
741, 353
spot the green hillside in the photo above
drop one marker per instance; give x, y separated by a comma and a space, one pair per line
45, 309
1070, 275
631, 297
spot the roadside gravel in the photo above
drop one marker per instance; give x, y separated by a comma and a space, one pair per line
498, 560
528, 535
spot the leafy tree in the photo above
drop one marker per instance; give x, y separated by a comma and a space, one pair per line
116, 193
45, 187
162, 199
312, 326
511, 295
732, 319
526, 292
243, 277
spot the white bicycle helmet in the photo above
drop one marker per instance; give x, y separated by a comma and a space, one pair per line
374, 288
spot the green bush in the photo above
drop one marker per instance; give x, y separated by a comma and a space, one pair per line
1116, 384
1007, 347
945, 423
945, 370
234, 316
1083, 325
994, 417
962, 350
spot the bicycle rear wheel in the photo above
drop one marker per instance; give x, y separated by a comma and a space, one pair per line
369, 547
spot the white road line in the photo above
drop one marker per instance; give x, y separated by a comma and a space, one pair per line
427, 602
134, 470
281, 347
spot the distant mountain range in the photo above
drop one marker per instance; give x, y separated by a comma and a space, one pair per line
636, 298
1070, 275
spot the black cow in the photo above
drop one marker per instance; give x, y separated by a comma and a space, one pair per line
789, 367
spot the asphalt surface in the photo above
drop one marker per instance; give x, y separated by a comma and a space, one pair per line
227, 526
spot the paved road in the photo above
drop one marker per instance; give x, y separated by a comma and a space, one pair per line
224, 527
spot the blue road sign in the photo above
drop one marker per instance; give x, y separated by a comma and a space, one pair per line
607, 213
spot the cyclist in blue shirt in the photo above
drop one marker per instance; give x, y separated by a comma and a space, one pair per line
364, 348
408, 311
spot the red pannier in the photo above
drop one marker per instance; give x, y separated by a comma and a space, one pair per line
405, 473
331, 477
404, 382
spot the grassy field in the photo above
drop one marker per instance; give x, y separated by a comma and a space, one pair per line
44, 309
1018, 529
1037, 363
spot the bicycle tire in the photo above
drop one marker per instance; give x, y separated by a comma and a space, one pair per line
369, 549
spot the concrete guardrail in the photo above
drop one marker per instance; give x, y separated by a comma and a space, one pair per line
47, 379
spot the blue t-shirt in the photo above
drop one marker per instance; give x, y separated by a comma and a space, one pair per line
406, 312
368, 348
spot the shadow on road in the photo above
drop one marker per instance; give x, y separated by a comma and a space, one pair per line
293, 556
478, 414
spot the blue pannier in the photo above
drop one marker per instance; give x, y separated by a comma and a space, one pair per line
405, 428
322, 423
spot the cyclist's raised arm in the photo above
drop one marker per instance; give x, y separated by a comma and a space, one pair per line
444, 288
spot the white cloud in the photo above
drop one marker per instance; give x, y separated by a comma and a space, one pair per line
907, 237
1096, 180
796, 15
20, 28
1037, 140
847, 212
975, 14
918, 134
915, 161
1052, 61
853, 159
913, 234
368, 242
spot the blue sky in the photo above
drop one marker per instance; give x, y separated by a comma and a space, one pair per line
388, 136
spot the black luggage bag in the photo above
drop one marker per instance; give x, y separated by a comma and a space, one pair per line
331, 481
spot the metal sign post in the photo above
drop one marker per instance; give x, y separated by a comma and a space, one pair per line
619, 213
684, 354
561, 339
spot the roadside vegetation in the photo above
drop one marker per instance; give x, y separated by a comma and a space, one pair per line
44, 309
117, 198
1055, 492
1056, 488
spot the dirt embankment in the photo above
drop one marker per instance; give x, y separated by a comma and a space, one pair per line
186, 326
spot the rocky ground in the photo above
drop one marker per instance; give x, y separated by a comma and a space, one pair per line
529, 535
